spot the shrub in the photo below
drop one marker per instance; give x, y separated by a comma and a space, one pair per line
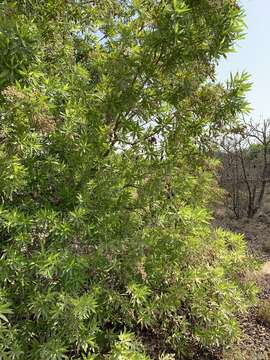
263, 312
107, 121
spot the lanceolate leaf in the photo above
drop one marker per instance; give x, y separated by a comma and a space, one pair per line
108, 111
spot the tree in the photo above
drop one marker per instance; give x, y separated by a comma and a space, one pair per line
108, 112
245, 172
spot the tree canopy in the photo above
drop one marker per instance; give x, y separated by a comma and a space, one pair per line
108, 111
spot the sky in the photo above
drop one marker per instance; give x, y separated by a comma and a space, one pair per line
253, 55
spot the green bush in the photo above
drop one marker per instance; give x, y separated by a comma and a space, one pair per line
107, 120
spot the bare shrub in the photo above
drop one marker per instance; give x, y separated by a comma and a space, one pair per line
245, 168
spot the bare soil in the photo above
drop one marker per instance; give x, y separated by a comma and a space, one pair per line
255, 344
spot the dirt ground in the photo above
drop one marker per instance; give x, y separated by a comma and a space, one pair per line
256, 333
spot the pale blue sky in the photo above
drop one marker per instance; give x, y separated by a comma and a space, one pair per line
253, 55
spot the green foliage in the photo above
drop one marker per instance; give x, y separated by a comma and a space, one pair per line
108, 111
127, 348
254, 151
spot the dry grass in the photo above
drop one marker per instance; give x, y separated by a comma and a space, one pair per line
263, 312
